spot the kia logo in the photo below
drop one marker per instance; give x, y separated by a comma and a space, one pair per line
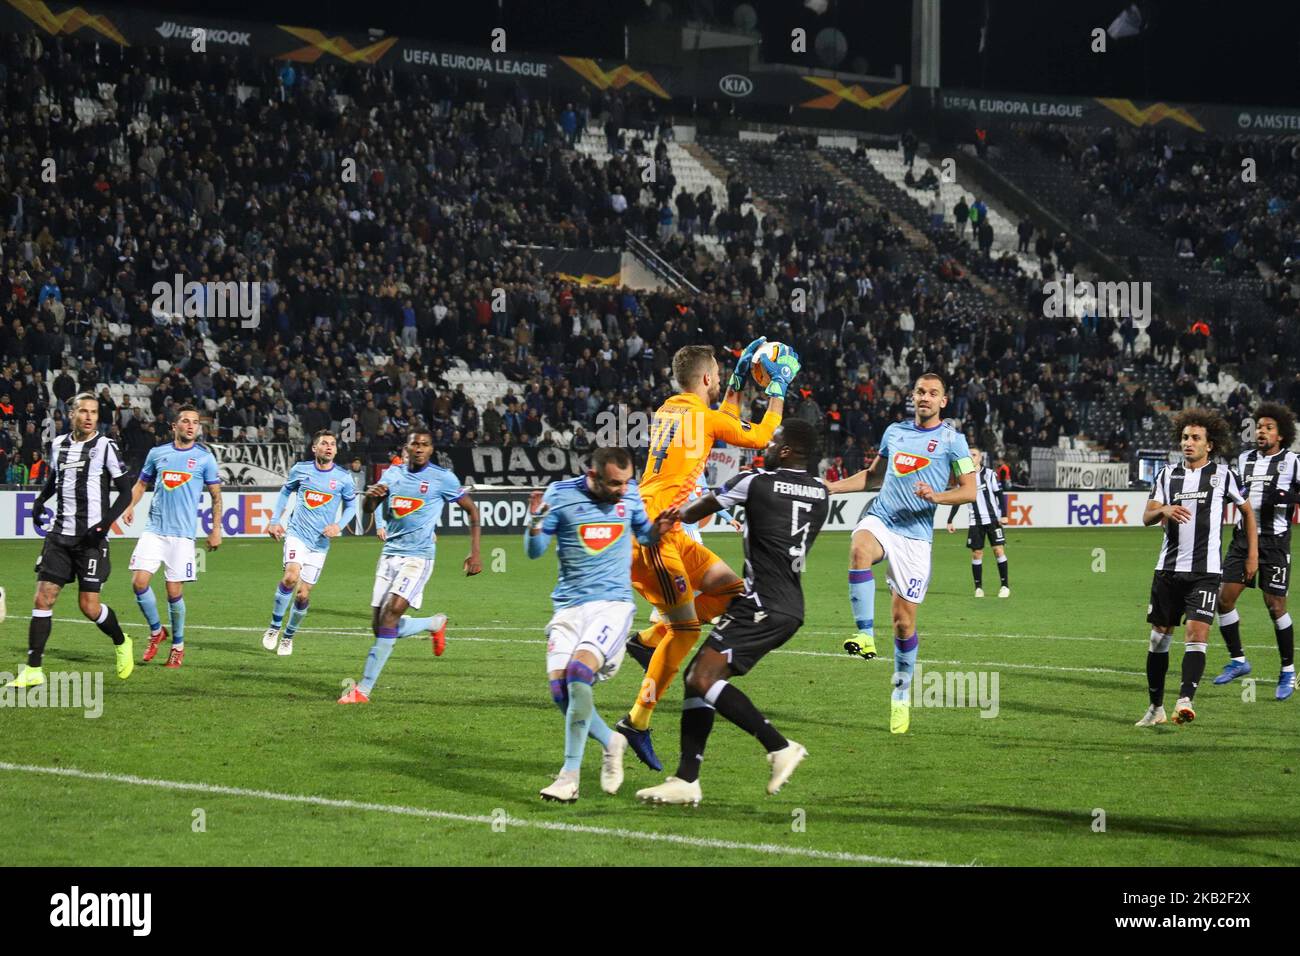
733, 84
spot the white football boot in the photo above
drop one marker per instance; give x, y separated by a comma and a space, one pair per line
285, 648
1154, 715
783, 762
673, 790
564, 789
611, 764
271, 638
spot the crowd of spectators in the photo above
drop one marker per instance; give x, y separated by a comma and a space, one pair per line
391, 221
1223, 204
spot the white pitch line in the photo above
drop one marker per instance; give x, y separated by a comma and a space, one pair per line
844, 657
770, 849
811, 632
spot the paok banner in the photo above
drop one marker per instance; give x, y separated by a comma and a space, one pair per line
253, 464
517, 465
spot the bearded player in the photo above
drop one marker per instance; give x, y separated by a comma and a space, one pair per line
669, 574
917, 458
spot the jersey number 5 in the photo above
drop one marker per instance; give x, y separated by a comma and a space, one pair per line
799, 552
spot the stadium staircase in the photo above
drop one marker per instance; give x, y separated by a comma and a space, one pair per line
690, 172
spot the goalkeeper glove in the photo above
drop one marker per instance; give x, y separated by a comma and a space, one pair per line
737, 381
782, 372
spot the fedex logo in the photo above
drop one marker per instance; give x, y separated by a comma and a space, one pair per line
1105, 510
1018, 515
247, 513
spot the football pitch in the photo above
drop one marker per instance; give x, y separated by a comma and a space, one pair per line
242, 757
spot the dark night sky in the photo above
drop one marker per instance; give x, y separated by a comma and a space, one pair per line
1244, 51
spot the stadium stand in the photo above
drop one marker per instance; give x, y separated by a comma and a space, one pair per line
415, 289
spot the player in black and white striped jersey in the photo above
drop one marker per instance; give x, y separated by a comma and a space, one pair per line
84, 466
1270, 474
1188, 499
985, 522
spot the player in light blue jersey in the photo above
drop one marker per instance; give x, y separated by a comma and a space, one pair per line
325, 500
179, 472
413, 495
919, 458
592, 518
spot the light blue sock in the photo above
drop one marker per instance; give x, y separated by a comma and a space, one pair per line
385, 641
282, 599
904, 665
579, 679
177, 608
597, 730
295, 617
408, 625
862, 598
149, 606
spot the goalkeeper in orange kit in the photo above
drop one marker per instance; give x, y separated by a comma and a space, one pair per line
669, 574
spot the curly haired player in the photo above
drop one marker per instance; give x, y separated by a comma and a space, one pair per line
1188, 499
1270, 474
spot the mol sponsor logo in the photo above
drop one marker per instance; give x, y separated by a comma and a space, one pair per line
314, 499
171, 480
598, 536
403, 506
905, 464
1094, 510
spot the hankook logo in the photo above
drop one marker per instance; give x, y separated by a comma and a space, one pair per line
733, 84
171, 30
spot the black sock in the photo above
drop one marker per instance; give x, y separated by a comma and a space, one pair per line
740, 710
1193, 670
1285, 640
977, 572
1232, 636
38, 633
1157, 668
110, 627
639, 652
697, 724
1002, 571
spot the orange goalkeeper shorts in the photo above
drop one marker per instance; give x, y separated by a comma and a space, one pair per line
668, 574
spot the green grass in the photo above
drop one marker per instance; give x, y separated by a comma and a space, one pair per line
475, 732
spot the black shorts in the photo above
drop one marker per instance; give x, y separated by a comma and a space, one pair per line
976, 534
747, 632
1175, 594
64, 559
1274, 562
